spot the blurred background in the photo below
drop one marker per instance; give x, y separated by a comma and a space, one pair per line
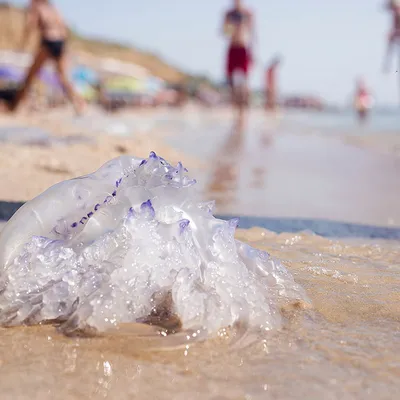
153, 76
308, 147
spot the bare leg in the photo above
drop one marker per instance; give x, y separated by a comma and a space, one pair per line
72, 96
271, 100
233, 92
40, 59
240, 93
236, 99
244, 98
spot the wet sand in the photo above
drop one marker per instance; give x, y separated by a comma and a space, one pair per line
36, 164
346, 346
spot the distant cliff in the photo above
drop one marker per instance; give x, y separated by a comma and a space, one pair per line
11, 26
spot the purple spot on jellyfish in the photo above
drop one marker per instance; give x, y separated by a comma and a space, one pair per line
142, 163
97, 206
131, 212
148, 207
183, 224
74, 225
153, 155
114, 193
82, 221
118, 182
90, 214
107, 199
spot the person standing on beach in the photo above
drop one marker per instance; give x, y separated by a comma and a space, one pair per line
362, 100
42, 15
394, 36
238, 26
270, 90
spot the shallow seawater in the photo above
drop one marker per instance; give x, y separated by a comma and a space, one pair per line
347, 346
30, 136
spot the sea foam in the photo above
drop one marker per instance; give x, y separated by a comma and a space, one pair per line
131, 239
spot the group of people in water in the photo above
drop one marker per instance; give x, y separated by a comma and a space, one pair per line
238, 28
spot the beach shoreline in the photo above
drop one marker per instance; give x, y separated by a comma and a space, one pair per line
265, 171
344, 345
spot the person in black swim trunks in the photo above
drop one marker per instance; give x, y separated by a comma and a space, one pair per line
42, 15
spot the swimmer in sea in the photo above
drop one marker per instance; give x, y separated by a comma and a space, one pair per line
238, 26
362, 100
394, 36
42, 15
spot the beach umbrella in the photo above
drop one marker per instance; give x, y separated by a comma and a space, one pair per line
114, 66
124, 84
86, 90
10, 73
49, 78
153, 85
84, 74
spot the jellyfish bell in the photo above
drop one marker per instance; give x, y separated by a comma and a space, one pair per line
131, 243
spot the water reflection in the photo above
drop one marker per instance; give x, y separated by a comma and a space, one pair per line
239, 167
226, 166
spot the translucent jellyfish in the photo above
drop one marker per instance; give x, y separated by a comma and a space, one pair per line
131, 243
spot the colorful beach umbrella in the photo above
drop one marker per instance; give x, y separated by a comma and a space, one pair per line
85, 90
124, 84
16, 74
49, 77
10, 73
84, 74
153, 85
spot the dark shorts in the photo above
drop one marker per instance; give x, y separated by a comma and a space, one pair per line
238, 59
54, 47
8, 96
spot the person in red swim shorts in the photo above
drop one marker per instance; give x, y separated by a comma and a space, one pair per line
238, 26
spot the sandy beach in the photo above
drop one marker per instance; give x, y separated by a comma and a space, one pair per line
40, 164
345, 346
